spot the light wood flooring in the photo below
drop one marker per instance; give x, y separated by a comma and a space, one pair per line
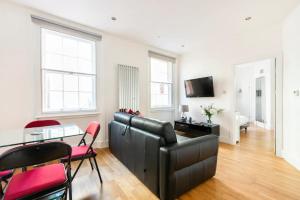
248, 170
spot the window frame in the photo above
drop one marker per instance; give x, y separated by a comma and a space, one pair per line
64, 72
172, 83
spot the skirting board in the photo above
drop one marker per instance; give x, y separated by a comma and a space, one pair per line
226, 140
101, 144
293, 159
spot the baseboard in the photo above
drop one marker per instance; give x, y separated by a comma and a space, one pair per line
279, 153
101, 144
225, 140
293, 159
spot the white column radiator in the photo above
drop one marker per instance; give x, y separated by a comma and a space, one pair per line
128, 87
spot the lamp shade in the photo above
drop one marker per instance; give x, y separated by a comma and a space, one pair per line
184, 108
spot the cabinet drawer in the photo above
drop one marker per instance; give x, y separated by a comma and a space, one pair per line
181, 127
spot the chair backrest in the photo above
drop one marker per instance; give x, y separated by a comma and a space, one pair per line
34, 154
93, 129
41, 123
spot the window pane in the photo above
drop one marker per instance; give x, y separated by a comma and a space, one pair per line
67, 53
70, 47
86, 83
53, 43
55, 101
161, 95
170, 72
70, 83
85, 50
161, 71
85, 66
69, 64
70, 100
53, 61
86, 100
53, 81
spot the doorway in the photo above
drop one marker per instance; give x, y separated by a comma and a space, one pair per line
255, 101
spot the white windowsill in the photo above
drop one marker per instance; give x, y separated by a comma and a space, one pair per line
67, 115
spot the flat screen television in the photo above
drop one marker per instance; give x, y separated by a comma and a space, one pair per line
200, 87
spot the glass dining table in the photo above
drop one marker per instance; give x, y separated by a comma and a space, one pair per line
40, 134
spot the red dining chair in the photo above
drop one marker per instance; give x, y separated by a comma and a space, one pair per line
4, 176
47, 181
84, 151
41, 123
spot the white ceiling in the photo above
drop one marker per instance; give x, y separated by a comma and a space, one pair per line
176, 22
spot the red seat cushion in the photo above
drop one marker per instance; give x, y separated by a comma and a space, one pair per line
6, 173
35, 180
80, 151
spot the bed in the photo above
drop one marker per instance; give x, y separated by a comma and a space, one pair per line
243, 122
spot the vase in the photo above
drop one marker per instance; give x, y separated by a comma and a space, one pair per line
209, 119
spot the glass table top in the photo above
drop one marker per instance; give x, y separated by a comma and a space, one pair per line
29, 135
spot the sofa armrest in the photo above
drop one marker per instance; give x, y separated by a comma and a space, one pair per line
185, 165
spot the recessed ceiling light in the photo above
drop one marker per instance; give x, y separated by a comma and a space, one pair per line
248, 18
113, 18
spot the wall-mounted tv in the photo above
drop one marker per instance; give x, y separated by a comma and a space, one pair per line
200, 87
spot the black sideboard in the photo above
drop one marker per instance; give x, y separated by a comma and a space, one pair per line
196, 129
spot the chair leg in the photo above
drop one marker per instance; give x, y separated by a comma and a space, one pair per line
69, 186
77, 169
1, 189
97, 169
91, 164
65, 196
70, 191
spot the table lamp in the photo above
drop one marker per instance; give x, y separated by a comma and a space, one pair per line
183, 109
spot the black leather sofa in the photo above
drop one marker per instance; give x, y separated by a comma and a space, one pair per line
168, 166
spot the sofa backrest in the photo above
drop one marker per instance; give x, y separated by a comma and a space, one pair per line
164, 130
123, 118
159, 128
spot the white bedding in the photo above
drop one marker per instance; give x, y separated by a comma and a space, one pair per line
243, 120
240, 120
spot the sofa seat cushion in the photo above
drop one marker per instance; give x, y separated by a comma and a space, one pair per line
181, 138
35, 180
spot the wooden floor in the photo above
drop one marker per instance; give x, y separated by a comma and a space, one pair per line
248, 170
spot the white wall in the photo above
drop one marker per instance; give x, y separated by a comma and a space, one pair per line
244, 90
218, 59
20, 71
291, 52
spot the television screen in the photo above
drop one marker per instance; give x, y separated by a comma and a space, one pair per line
200, 87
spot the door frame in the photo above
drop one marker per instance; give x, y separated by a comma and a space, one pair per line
277, 94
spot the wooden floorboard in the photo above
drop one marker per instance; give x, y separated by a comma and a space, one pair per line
248, 170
